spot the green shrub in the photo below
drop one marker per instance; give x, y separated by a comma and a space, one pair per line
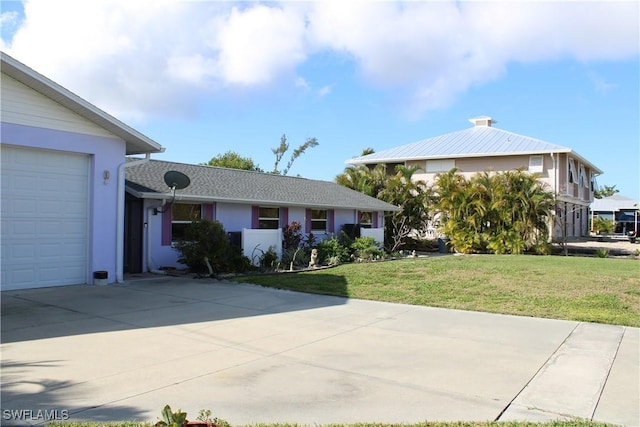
332, 252
172, 419
542, 248
295, 257
204, 239
236, 261
602, 253
206, 416
269, 259
366, 248
420, 245
602, 225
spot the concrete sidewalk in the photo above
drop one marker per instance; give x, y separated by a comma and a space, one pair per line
253, 354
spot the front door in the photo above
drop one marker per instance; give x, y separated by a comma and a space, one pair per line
133, 226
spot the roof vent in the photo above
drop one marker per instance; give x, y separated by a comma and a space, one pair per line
482, 121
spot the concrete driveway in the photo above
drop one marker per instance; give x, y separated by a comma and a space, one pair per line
253, 354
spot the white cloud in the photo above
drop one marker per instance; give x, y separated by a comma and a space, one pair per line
433, 51
260, 43
600, 84
140, 57
325, 90
9, 22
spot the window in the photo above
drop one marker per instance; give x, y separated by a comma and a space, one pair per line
318, 220
583, 177
572, 171
183, 214
441, 165
366, 219
536, 164
268, 218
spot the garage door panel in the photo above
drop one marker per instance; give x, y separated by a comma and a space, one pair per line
19, 276
23, 206
45, 207
16, 229
21, 251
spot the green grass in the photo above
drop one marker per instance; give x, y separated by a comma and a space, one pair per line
601, 290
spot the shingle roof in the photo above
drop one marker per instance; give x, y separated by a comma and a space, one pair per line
136, 142
221, 184
478, 141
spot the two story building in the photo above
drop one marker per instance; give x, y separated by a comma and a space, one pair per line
483, 147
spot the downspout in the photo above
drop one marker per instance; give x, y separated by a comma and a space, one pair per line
120, 216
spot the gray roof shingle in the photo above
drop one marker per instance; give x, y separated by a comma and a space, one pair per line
238, 186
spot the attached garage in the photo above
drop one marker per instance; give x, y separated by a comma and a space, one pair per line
62, 164
44, 215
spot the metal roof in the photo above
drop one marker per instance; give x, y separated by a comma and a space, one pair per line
136, 142
209, 183
614, 203
478, 141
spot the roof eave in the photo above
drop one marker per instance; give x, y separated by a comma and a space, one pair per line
270, 202
363, 161
136, 143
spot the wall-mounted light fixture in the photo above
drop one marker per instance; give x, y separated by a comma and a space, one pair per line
106, 175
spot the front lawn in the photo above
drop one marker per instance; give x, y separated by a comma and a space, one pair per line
602, 290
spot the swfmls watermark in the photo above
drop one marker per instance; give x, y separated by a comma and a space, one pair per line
35, 414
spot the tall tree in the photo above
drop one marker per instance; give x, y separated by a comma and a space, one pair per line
413, 197
280, 151
363, 179
606, 191
233, 160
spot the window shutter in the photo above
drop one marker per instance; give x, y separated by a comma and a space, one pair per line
307, 220
284, 217
330, 221
255, 216
210, 211
166, 225
374, 220
572, 171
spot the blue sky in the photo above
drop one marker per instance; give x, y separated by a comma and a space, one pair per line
202, 78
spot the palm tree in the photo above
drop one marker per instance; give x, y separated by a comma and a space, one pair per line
505, 212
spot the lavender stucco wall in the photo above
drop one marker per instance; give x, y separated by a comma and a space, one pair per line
106, 155
233, 216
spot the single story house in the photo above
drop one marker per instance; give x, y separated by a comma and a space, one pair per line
483, 147
62, 173
253, 207
623, 211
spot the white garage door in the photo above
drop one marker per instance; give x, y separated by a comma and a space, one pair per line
44, 215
